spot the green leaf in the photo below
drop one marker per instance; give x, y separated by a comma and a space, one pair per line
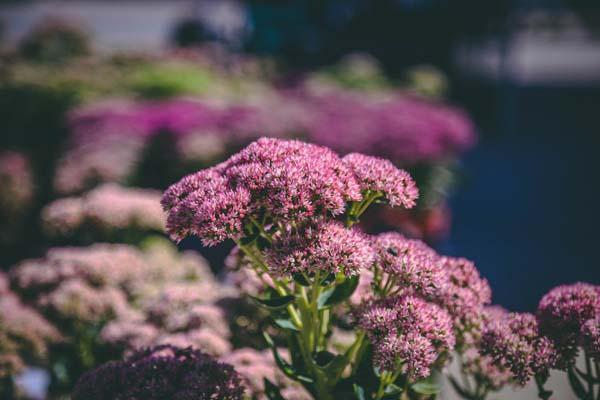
337, 294
576, 385
274, 303
271, 391
359, 392
328, 280
459, 389
283, 365
426, 387
587, 377
285, 324
300, 279
392, 389
323, 358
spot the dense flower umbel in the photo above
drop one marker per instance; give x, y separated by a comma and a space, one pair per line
465, 290
328, 247
163, 372
411, 265
564, 309
590, 338
407, 331
279, 180
515, 342
562, 313
381, 176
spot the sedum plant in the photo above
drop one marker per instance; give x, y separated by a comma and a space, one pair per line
291, 208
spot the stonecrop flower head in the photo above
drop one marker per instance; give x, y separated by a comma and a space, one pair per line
162, 372
465, 292
561, 314
407, 332
382, 177
515, 342
590, 338
329, 247
411, 266
270, 181
564, 309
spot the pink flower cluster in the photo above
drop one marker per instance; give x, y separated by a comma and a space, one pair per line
106, 209
277, 180
407, 332
562, 314
465, 291
149, 297
515, 342
410, 264
328, 247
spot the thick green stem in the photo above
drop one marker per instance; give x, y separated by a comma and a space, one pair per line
278, 286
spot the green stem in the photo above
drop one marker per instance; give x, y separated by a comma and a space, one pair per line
542, 392
597, 367
278, 286
589, 371
383, 382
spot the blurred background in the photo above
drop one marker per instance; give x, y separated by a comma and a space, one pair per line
493, 106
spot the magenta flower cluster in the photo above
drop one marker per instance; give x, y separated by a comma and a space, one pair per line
404, 129
407, 332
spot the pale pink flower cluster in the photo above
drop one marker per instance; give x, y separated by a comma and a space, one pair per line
99, 264
107, 208
103, 158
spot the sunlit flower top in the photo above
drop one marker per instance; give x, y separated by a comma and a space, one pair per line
270, 181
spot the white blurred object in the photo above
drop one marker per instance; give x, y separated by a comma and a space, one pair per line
33, 382
543, 49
